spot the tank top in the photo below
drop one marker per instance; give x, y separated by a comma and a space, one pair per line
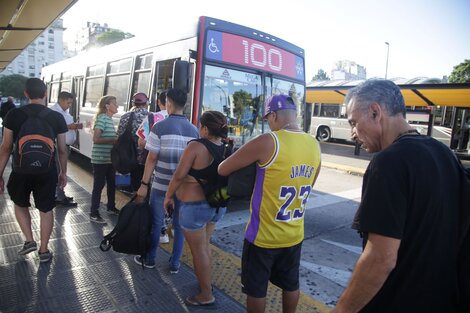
209, 172
281, 191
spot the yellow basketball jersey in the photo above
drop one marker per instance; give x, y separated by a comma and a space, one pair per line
281, 191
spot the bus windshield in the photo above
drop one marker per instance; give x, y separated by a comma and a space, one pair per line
237, 95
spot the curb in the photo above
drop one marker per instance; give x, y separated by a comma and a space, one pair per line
346, 168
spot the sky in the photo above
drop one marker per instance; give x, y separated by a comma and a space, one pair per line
426, 37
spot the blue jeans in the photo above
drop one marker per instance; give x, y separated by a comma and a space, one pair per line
158, 214
196, 215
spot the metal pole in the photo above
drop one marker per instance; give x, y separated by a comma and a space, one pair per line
386, 64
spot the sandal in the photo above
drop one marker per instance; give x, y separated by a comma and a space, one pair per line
192, 301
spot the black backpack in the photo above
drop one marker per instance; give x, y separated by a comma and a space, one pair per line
242, 182
132, 233
124, 151
35, 144
215, 190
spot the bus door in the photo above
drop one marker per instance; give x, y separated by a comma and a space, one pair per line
77, 89
460, 130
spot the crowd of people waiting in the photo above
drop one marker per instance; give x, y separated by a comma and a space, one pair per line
409, 263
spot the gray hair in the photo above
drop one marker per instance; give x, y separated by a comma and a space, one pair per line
382, 91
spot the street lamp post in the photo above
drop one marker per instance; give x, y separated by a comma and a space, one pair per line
386, 64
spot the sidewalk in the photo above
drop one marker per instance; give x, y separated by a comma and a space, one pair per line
82, 278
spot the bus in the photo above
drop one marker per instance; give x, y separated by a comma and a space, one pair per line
221, 65
330, 121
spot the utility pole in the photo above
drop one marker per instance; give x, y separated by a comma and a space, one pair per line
386, 64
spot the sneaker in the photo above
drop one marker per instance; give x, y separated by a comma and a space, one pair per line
164, 238
45, 256
147, 264
66, 202
97, 219
174, 269
113, 211
70, 199
29, 246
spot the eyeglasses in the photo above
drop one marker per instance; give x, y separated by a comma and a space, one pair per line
266, 117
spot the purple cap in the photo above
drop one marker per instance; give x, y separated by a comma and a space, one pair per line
278, 102
140, 98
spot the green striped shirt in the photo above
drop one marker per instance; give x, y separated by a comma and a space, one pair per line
101, 152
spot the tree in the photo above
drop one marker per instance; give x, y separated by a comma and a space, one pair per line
461, 73
241, 100
110, 37
321, 75
13, 85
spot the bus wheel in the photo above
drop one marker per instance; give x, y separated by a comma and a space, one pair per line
323, 134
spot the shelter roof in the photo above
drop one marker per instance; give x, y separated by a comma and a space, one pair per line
21, 21
427, 94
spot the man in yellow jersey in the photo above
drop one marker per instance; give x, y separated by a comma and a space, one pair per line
287, 165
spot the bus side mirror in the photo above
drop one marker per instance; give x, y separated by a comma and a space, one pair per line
181, 75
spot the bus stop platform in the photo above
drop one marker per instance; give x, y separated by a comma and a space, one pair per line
82, 278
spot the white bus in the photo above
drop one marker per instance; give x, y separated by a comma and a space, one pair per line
223, 66
330, 121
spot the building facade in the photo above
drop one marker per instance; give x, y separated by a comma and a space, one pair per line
348, 70
48, 48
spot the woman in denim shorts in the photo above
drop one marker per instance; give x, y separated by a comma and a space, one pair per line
197, 217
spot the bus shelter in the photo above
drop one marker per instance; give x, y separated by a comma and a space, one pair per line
450, 101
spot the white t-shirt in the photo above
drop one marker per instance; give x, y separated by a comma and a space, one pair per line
71, 135
144, 128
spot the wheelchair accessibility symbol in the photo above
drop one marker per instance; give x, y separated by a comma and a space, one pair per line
213, 46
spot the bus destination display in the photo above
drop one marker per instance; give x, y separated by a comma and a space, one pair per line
253, 53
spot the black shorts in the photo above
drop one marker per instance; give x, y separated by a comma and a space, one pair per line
260, 265
42, 186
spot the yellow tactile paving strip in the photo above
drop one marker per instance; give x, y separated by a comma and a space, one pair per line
226, 266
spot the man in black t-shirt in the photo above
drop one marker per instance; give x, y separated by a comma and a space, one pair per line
409, 212
42, 186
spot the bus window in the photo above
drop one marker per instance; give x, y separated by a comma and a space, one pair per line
96, 70
54, 92
236, 94
93, 91
118, 86
143, 62
141, 82
141, 78
120, 66
164, 72
316, 109
66, 86
330, 110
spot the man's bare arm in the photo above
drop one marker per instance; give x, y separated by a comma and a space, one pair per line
372, 269
259, 150
150, 163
